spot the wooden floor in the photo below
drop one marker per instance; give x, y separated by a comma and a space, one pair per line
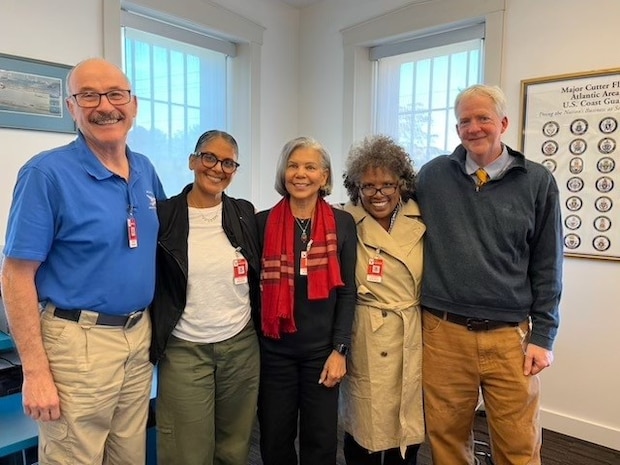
557, 449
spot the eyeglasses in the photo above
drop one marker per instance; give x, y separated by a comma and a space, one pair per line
93, 99
370, 191
209, 160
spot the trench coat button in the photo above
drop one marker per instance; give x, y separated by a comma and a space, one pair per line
384, 354
383, 313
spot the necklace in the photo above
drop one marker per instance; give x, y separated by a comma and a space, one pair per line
209, 219
208, 214
303, 226
393, 217
206, 218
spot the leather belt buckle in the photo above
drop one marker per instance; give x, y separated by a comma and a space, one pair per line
476, 324
132, 319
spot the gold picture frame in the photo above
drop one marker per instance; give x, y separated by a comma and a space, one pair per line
571, 124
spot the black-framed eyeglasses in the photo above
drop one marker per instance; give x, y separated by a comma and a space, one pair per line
209, 160
387, 189
93, 99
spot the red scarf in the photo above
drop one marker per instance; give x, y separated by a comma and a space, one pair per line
278, 271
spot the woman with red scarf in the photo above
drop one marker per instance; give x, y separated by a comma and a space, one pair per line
308, 300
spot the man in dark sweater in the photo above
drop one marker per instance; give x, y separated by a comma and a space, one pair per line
491, 288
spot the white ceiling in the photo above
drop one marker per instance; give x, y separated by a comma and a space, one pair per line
300, 3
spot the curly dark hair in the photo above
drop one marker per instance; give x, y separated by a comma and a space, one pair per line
378, 151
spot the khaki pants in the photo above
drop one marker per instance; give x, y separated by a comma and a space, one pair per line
456, 364
206, 400
103, 376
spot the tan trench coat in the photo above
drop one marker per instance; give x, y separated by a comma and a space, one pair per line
381, 395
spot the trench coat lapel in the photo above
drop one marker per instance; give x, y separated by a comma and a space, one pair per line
406, 233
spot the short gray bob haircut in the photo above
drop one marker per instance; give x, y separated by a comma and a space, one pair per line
285, 155
493, 92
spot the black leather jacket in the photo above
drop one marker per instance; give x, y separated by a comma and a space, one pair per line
168, 304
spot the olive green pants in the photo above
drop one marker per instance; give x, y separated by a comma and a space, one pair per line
206, 402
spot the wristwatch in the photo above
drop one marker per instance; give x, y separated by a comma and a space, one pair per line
342, 349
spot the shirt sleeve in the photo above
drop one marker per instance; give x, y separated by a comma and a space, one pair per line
32, 216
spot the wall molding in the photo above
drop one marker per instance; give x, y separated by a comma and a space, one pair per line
581, 428
406, 22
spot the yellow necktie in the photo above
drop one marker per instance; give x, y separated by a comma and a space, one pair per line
483, 177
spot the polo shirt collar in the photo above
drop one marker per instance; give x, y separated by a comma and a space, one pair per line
93, 165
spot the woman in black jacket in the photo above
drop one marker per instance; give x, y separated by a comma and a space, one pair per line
206, 298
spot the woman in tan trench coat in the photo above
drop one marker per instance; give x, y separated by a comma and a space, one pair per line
381, 404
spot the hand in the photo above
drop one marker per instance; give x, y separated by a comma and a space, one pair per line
334, 369
40, 397
536, 359
19, 292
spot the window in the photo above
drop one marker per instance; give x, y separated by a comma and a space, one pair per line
209, 27
415, 91
420, 20
181, 91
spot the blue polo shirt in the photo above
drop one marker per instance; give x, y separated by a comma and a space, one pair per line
70, 213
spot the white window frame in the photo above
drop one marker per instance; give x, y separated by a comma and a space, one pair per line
387, 112
244, 70
411, 21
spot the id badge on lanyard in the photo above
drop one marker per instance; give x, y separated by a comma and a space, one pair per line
374, 272
303, 260
132, 230
240, 268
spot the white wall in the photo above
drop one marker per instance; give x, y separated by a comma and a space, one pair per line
580, 391
321, 73
301, 93
41, 30
279, 86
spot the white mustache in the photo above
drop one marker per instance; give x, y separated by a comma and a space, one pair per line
106, 118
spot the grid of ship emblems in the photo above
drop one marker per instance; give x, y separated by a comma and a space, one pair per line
581, 154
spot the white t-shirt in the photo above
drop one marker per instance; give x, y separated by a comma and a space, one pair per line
217, 308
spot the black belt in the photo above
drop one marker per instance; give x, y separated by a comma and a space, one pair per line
126, 321
472, 324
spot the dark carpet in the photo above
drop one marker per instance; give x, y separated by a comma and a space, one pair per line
557, 449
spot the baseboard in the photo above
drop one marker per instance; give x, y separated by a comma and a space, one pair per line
603, 435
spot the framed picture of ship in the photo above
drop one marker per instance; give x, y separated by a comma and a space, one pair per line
32, 96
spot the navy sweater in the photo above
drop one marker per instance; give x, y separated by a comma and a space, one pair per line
493, 253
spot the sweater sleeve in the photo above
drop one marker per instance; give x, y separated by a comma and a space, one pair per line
345, 304
545, 269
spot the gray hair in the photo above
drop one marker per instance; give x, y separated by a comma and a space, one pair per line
493, 92
285, 155
378, 151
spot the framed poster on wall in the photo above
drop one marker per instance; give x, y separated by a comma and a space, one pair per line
31, 95
570, 124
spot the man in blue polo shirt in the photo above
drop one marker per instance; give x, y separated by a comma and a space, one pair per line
78, 275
